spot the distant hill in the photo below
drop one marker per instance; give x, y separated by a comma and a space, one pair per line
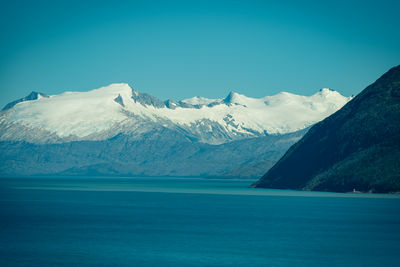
358, 147
160, 152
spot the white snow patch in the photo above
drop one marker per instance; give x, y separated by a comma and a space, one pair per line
198, 100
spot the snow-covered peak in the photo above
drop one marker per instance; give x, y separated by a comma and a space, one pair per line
234, 97
32, 96
326, 92
74, 113
114, 88
198, 100
83, 115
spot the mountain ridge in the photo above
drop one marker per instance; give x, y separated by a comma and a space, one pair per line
119, 131
32, 96
99, 113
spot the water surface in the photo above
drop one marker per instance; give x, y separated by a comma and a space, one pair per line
191, 222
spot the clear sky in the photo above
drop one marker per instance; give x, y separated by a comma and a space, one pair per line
179, 49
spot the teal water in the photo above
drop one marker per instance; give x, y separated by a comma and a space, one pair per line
191, 222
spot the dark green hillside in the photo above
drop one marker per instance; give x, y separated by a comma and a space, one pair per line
358, 147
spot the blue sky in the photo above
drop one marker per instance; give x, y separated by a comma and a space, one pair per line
179, 49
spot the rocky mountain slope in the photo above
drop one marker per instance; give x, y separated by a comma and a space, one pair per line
116, 130
357, 147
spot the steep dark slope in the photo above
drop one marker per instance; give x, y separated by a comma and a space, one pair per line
358, 147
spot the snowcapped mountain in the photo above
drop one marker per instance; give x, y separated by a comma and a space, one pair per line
32, 96
105, 112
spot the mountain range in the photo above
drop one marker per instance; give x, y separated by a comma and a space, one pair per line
355, 149
116, 130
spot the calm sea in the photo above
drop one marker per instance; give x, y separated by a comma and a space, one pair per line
191, 222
